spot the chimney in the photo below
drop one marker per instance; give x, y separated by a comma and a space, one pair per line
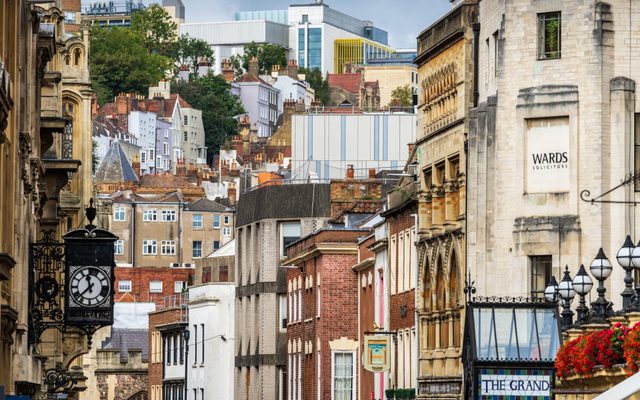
122, 104
199, 178
289, 106
411, 147
135, 164
350, 171
232, 193
181, 170
253, 67
204, 66
275, 71
227, 71
184, 73
292, 69
372, 173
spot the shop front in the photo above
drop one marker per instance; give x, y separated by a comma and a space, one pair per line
509, 349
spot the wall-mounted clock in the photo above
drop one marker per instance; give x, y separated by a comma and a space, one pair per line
90, 286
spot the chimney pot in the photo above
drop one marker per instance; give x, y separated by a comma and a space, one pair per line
350, 171
372, 173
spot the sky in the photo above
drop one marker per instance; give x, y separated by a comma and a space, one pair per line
403, 19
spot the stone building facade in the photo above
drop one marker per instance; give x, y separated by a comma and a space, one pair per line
44, 166
568, 123
445, 74
268, 219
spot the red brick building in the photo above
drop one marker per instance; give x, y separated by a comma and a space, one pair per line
322, 320
150, 284
402, 269
170, 319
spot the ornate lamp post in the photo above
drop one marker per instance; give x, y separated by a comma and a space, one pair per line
635, 260
566, 293
601, 270
551, 291
626, 260
186, 359
582, 284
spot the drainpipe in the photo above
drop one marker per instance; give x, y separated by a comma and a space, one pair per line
476, 49
133, 234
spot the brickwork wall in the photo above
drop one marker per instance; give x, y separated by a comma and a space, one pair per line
158, 318
141, 277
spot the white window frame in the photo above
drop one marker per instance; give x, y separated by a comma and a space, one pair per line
198, 225
150, 215
216, 218
179, 286
353, 371
226, 231
155, 286
168, 247
119, 214
124, 286
168, 216
227, 219
118, 247
300, 304
193, 248
154, 246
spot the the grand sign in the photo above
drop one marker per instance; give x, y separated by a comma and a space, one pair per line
548, 156
515, 384
376, 357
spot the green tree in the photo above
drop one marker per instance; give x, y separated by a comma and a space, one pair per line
402, 96
120, 62
158, 29
212, 95
318, 83
267, 54
187, 51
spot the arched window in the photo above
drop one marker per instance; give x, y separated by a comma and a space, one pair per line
67, 59
426, 286
76, 56
441, 302
453, 281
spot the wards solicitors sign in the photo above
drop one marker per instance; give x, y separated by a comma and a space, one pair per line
548, 156
516, 384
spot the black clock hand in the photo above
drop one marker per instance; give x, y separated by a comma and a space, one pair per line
89, 287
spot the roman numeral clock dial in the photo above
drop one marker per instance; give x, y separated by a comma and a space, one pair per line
90, 286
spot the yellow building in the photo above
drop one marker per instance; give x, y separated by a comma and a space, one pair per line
445, 78
390, 77
357, 51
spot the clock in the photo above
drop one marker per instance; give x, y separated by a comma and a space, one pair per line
89, 286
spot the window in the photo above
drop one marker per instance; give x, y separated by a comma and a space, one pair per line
549, 36
186, 120
119, 214
202, 341
196, 221
149, 247
305, 18
168, 215
300, 316
206, 274
195, 343
343, 376
196, 250
283, 311
216, 221
124, 286
226, 220
216, 245
315, 48
155, 287
168, 247
540, 274
223, 274
186, 136
118, 247
289, 233
179, 286
151, 155
143, 157
150, 215
318, 298
165, 148
301, 48
226, 232
70, 17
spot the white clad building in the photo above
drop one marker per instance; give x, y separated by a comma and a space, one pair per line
142, 124
323, 145
211, 350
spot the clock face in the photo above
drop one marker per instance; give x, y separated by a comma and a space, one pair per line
90, 286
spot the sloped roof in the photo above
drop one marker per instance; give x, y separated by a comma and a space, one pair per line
165, 181
128, 339
205, 204
248, 78
115, 167
348, 82
227, 250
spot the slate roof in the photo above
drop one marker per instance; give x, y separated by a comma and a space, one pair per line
206, 205
115, 167
128, 339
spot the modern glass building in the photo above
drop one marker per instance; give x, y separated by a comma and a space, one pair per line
279, 16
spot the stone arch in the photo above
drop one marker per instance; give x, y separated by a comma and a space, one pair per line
440, 290
140, 395
427, 284
454, 278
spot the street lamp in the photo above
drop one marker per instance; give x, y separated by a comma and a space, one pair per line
601, 270
627, 258
551, 291
566, 293
186, 335
582, 284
